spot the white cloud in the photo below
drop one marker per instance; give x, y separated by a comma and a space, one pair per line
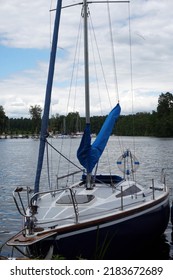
26, 24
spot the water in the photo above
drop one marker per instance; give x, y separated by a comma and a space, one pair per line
18, 159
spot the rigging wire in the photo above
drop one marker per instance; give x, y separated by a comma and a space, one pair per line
114, 67
75, 68
50, 161
131, 92
48, 167
74, 76
74, 64
59, 152
103, 73
95, 68
92, 42
50, 22
101, 64
131, 80
114, 64
113, 52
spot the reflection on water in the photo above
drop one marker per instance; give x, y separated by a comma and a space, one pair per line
18, 159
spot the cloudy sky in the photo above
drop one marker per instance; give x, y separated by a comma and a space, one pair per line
25, 39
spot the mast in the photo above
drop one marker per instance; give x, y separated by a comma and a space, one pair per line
45, 118
86, 73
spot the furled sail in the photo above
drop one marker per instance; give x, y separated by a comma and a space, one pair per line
88, 155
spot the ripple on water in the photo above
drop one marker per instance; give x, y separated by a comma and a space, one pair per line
18, 164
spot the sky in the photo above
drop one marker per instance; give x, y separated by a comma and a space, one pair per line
143, 63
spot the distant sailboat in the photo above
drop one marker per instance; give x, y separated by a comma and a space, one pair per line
98, 208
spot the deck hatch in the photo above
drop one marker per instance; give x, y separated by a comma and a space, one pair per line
80, 199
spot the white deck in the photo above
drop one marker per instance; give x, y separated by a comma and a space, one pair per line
104, 203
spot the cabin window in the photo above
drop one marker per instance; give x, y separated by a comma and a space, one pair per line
80, 199
129, 191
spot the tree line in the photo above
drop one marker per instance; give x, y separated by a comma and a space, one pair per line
159, 123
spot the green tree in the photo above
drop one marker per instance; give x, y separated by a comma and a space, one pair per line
165, 115
3, 120
165, 104
35, 112
73, 122
57, 124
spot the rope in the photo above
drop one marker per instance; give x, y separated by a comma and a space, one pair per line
64, 156
48, 169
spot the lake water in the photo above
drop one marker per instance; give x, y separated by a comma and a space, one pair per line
18, 159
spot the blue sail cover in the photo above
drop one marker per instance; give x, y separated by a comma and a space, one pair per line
87, 154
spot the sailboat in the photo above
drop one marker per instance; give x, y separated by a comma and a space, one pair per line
99, 211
